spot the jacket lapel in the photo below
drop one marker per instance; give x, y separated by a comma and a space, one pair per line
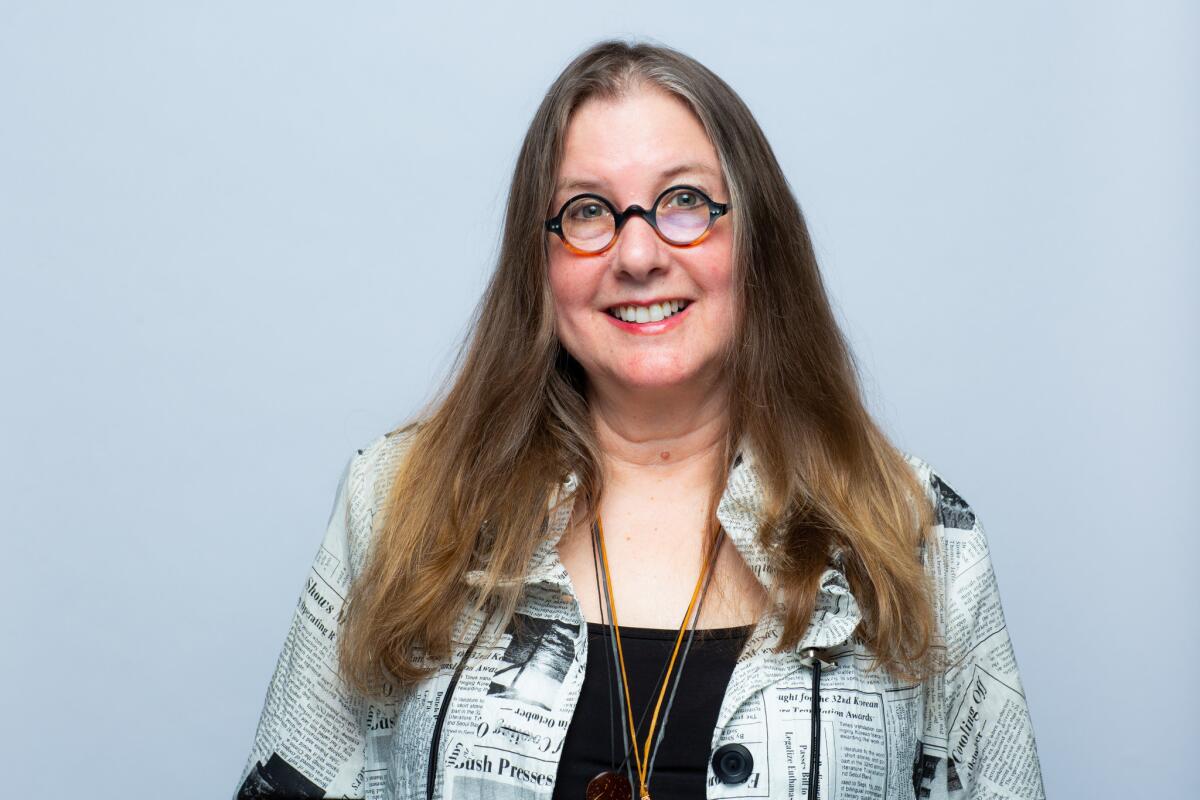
835, 617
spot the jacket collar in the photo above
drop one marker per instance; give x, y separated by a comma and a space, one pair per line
739, 511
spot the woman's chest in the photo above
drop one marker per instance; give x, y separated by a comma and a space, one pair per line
654, 567
500, 727
598, 740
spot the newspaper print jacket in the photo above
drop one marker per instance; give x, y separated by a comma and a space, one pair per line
491, 723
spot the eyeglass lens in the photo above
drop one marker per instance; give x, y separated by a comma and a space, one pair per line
682, 217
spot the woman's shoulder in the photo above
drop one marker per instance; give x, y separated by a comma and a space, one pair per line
381, 456
951, 510
957, 555
371, 472
958, 539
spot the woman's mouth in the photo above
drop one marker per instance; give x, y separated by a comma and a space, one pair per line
654, 312
650, 319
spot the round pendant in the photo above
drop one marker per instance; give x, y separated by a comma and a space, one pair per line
609, 785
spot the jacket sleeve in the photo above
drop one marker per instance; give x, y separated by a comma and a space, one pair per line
310, 740
984, 721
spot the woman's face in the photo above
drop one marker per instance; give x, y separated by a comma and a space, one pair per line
629, 150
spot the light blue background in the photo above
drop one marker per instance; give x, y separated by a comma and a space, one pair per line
240, 240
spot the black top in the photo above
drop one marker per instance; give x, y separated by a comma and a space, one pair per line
594, 742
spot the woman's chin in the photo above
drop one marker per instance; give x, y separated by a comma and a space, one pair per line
657, 381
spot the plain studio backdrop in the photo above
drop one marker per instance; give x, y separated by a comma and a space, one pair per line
240, 240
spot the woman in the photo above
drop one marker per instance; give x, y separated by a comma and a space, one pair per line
656, 430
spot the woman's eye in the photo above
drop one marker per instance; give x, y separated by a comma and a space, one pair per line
589, 211
684, 200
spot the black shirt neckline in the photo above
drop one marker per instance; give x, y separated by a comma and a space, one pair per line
735, 632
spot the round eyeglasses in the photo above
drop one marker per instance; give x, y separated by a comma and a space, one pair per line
682, 216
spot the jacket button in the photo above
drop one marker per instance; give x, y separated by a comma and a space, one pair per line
732, 763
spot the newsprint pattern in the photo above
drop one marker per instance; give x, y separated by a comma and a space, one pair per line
964, 734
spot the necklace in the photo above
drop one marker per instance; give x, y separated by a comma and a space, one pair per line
611, 784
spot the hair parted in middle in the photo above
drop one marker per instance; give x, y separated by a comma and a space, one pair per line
486, 456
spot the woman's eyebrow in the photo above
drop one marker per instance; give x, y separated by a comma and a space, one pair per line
588, 185
694, 167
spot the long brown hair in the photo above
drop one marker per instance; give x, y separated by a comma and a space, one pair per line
474, 488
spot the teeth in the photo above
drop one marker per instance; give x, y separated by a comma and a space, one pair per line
652, 313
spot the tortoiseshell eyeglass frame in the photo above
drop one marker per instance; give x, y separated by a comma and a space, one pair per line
715, 211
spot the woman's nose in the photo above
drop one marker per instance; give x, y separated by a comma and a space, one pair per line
639, 250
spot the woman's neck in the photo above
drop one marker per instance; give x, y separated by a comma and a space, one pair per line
678, 438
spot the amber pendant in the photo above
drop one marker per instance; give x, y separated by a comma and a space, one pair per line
609, 785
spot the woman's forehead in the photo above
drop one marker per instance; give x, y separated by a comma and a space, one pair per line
645, 136
689, 169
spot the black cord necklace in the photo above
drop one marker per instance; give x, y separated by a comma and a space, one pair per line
610, 677
608, 673
615, 784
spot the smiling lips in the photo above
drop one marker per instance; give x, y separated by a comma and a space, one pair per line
653, 312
